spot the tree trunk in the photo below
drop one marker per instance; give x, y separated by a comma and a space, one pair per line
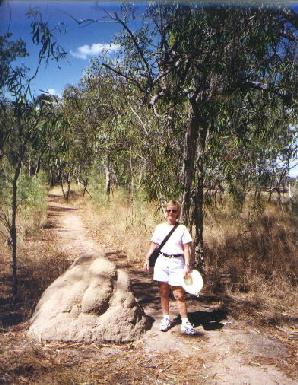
189, 153
52, 177
13, 232
68, 187
62, 186
29, 167
132, 179
36, 171
85, 184
108, 186
257, 195
194, 148
270, 190
198, 215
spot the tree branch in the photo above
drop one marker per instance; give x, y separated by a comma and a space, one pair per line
119, 73
140, 120
140, 51
265, 87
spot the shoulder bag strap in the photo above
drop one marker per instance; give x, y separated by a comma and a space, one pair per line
167, 237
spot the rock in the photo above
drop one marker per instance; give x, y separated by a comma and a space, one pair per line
91, 301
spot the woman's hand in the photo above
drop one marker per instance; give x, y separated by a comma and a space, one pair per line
152, 247
186, 270
146, 265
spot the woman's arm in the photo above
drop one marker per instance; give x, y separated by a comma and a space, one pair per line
152, 247
187, 258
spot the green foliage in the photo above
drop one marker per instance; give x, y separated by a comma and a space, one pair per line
96, 187
31, 199
226, 70
229, 66
23, 124
32, 192
10, 50
6, 175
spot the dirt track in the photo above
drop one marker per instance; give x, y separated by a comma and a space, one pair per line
230, 352
225, 351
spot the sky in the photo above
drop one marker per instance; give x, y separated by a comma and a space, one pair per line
80, 41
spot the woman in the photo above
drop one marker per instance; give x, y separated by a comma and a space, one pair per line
172, 265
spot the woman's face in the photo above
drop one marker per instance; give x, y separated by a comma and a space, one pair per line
172, 213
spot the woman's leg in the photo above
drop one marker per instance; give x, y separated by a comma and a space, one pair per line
186, 326
178, 292
164, 291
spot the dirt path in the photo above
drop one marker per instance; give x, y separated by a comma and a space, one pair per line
230, 352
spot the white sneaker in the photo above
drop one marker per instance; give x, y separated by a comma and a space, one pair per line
165, 324
187, 328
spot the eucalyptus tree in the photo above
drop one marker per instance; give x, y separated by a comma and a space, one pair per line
253, 137
73, 148
205, 59
132, 143
10, 50
102, 112
107, 110
22, 116
86, 131
27, 126
67, 150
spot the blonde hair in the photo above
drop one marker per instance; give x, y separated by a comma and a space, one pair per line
176, 204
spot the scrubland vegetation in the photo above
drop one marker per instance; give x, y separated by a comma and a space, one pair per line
203, 109
250, 254
256, 249
184, 121
39, 261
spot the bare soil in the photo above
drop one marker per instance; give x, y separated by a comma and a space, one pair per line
232, 346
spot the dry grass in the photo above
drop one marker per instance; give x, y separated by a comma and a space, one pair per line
233, 244
22, 362
258, 253
39, 262
31, 221
122, 226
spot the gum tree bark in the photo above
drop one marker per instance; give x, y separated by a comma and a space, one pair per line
193, 178
13, 231
189, 154
198, 217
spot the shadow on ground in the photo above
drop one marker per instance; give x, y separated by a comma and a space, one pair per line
208, 310
32, 277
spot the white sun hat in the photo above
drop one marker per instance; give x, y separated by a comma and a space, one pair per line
193, 284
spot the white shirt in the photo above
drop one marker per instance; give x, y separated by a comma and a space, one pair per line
178, 238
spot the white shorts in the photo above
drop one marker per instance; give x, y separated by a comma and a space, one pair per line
169, 270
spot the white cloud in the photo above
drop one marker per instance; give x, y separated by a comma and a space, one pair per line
52, 91
94, 49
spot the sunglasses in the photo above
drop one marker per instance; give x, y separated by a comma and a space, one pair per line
171, 211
